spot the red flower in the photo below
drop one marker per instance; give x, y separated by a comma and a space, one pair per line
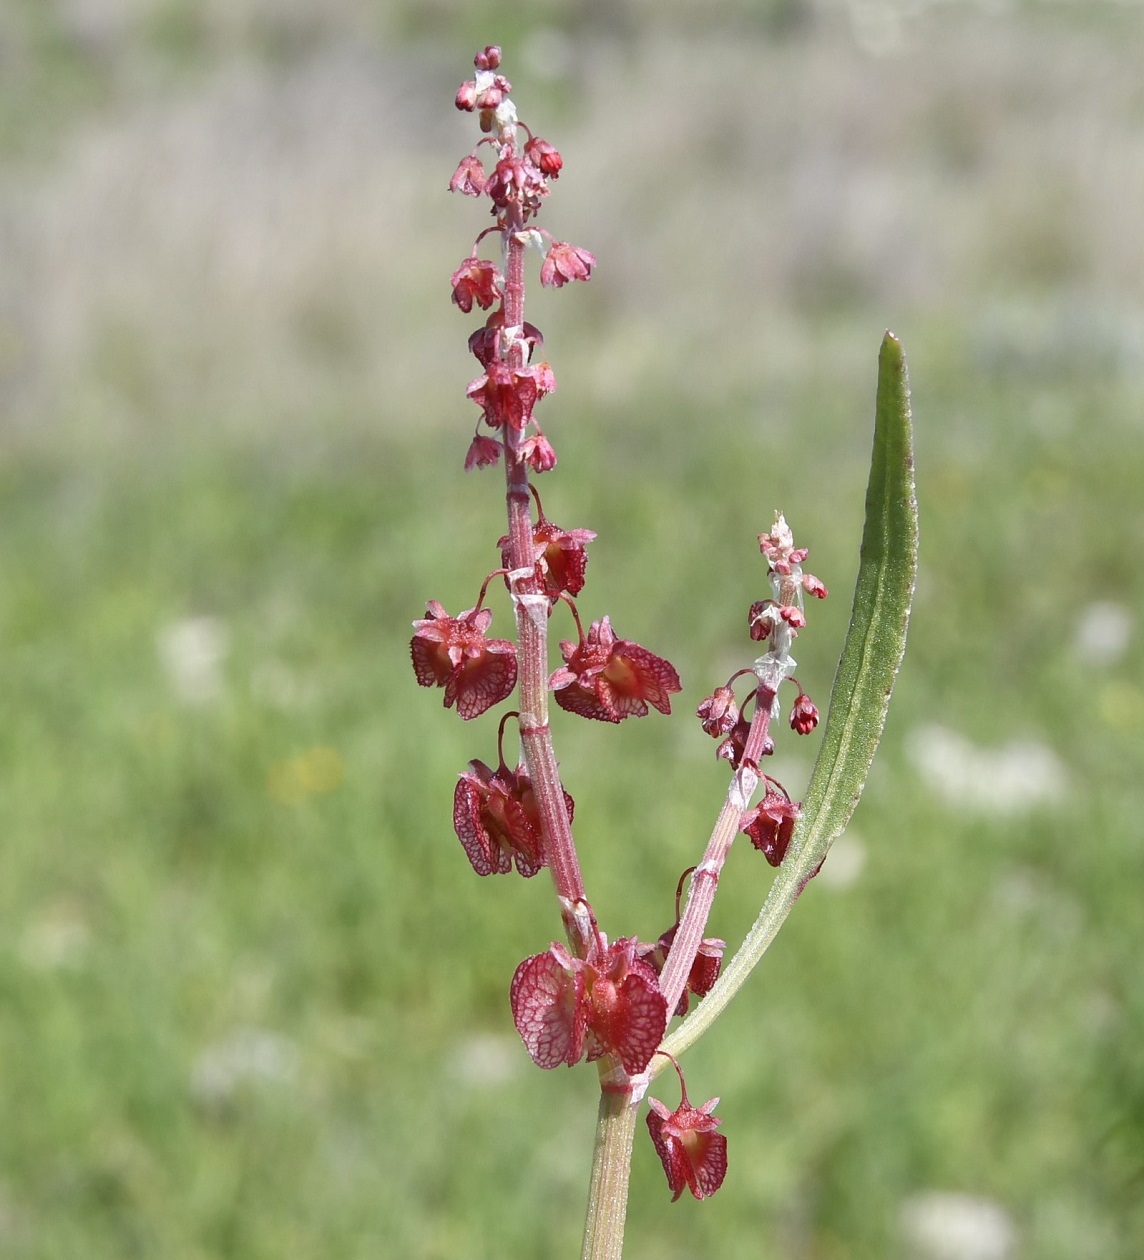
803, 714
452, 652
542, 154
692, 1153
538, 453
718, 712
469, 178
476, 280
735, 745
565, 262
704, 970
466, 97
507, 395
559, 555
771, 824
496, 819
483, 452
484, 343
515, 180
765, 615
608, 1003
609, 679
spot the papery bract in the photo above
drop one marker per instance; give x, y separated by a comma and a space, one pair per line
454, 653
692, 1153
485, 343
608, 679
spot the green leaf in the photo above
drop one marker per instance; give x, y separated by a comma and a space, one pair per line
871, 656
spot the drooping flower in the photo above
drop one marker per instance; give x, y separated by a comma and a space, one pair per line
704, 970
559, 556
545, 156
453, 652
507, 395
538, 453
469, 179
496, 819
718, 712
565, 262
485, 342
692, 1153
609, 679
803, 714
476, 280
515, 180
608, 1003
770, 824
483, 452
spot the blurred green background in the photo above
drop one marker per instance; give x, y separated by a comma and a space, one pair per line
253, 1001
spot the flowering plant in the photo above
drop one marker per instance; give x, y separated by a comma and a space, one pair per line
585, 996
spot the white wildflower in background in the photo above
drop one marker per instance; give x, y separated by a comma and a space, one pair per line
485, 1060
1104, 632
844, 863
245, 1056
1010, 779
939, 1225
192, 652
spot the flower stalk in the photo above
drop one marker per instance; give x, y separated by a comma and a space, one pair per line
590, 997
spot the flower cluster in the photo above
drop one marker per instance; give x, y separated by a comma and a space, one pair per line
584, 998
566, 1007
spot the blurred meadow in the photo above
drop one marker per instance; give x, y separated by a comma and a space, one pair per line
253, 1000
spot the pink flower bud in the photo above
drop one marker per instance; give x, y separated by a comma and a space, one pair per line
540, 153
803, 715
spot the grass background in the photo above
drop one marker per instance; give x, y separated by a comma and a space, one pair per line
252, 998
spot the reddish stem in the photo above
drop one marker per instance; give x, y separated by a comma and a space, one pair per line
531, 607
705, 880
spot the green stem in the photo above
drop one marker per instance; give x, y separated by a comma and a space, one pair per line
611, 1166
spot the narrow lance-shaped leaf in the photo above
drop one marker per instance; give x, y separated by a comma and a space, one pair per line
873, 651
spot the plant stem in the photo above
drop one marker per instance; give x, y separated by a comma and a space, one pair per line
611, 1166
531, 607
705, 881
